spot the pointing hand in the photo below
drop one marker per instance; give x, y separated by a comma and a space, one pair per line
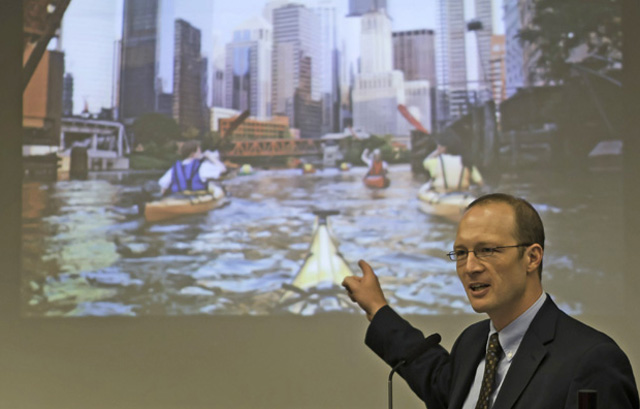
365, 290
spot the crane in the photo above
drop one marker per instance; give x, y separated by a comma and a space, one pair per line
421, 142
412, 120
236, 123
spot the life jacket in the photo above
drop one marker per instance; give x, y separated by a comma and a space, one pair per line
376, 168
186, 177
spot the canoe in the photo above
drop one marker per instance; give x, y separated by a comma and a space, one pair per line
180, 205
376, 181
449, 205
324, 266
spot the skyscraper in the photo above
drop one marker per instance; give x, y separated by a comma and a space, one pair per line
360, 7
267, 11
451, 68
139, 58
296, 35
67, 95
378, 89
204, 89
307, 111
513, 49
484, 15
248, 68
497, 70
189, 69
376, 50
414, 55
218, 87
218, 68
329, 59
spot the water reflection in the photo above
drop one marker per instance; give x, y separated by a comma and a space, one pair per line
87, 252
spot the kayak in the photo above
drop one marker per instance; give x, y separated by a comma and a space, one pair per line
183, 204
324, 266
308, 168
245, 169
376, 182
449, 205
345, 166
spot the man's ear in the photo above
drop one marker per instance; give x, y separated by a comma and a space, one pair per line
534, 257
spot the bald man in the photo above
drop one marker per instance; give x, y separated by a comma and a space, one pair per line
542, 357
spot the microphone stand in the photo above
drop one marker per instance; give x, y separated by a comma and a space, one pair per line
429, 342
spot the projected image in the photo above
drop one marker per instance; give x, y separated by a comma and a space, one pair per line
246, 155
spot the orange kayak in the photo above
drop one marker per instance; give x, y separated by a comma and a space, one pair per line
376, 182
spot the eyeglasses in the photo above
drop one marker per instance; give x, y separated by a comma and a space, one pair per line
482, 252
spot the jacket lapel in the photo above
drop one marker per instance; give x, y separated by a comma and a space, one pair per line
531, 352
470, 355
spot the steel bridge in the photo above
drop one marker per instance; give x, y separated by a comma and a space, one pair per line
274, 147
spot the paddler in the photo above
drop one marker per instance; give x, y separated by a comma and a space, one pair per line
196, 171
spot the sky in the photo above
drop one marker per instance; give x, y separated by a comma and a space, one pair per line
100, 23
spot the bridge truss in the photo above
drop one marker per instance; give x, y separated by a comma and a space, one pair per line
275, 147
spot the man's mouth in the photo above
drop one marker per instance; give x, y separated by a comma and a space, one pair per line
478, 286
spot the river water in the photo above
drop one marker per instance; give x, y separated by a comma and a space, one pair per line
87, 252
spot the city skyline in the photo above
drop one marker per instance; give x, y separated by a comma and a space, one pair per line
217, 20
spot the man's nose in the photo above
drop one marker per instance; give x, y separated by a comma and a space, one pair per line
472, 264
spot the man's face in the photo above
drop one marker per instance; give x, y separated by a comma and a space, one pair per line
500, 284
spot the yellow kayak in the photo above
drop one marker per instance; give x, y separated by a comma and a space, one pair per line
450, 205
180, 205
324, 266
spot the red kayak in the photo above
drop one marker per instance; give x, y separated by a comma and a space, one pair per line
376, 181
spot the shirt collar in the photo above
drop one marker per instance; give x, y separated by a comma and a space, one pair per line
511, 335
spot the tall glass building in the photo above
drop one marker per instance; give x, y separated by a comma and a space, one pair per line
484, 15
248, 68
451, 67
139, 58
360, 7
189, 73
329, 59
296, 38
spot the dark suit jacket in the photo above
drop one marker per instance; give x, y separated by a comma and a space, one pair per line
557, 357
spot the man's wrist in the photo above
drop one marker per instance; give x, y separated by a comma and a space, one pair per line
373, 311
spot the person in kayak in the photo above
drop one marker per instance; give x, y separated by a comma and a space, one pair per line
196, 171
450, 166
377, 166
447, 172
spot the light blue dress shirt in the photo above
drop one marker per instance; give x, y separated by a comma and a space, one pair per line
510, 338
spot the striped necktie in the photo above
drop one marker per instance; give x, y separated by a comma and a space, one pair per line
491, 364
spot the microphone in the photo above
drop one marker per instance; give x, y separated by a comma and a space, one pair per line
429, 342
